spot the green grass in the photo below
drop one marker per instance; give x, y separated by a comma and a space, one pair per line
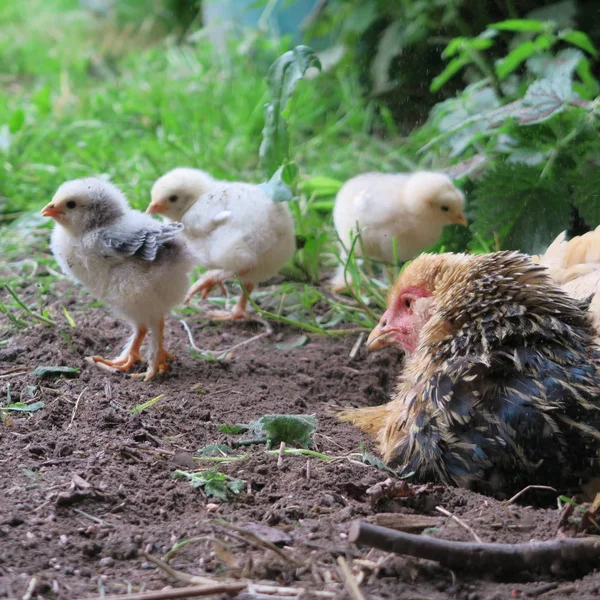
84, 95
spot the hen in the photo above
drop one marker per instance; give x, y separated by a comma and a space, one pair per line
233, 229
411, 208
137, 266
500, 387
575, 265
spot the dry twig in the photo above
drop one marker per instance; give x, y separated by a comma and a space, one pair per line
349, 579
460, 522
479, 556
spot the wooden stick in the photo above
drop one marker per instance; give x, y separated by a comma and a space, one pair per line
488, 557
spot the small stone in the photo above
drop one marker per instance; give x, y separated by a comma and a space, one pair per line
212, 507
107, 561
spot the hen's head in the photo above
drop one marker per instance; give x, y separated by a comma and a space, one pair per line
435, 197
437, 294
411, 301
176, 192
81, 205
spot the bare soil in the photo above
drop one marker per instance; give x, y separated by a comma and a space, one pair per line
87, 486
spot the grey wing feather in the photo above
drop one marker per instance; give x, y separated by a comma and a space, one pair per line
142, 242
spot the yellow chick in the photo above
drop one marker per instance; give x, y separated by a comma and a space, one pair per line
232, 229
575, 265
413, 208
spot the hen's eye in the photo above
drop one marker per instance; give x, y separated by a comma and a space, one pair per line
445, 208
71, 204
173, 198
407, 303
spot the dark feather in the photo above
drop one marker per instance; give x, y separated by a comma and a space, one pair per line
145, 243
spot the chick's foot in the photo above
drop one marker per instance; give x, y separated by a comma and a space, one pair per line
225, 315
131, 355
123, 363
158, 366
207, 282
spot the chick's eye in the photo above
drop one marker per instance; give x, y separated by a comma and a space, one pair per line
71, 204
173, 198
445, 208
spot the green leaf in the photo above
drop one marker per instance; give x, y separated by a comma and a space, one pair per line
579, 39
544, 99
147, 404
233, 429
276, 187
532, 25
585, 74
390, 45
297, 343
548, 66
524, 212
586, 193
22, 407
452, 68
291, 429
515, 58
215, 484
282, 77
16, 120
321, 186
47, 372
215, 450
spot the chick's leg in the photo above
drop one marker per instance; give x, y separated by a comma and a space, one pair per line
131, 355
207, 282
158, 364
239, 311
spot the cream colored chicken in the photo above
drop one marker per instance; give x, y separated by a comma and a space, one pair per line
139, 267
575, 265
232, 228
411, 208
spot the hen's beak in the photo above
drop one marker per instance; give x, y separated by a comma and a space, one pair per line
379, 338
461, 220
154, 208
51, 210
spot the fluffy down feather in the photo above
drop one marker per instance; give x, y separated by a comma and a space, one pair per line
411, 208
503, 387
232, 228
137, 266
575, 265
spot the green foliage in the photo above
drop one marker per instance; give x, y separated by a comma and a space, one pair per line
51, 371
22, 407
531, 120
214, 484
282, 78
294, 430
215, 450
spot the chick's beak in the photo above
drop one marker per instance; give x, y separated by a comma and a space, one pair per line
379, 338
51, 210
154, 207
460, 219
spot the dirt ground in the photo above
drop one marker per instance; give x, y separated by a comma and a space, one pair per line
87, 486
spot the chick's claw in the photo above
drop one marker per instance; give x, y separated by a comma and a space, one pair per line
122, 363
206, 283
159, 366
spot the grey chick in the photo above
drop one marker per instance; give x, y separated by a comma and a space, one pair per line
138, 266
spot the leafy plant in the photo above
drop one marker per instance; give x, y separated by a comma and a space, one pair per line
282, 78
294, 430
531, 121
215, 484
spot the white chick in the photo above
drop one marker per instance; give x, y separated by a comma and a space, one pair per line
232, 228
139, 267
412, 208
